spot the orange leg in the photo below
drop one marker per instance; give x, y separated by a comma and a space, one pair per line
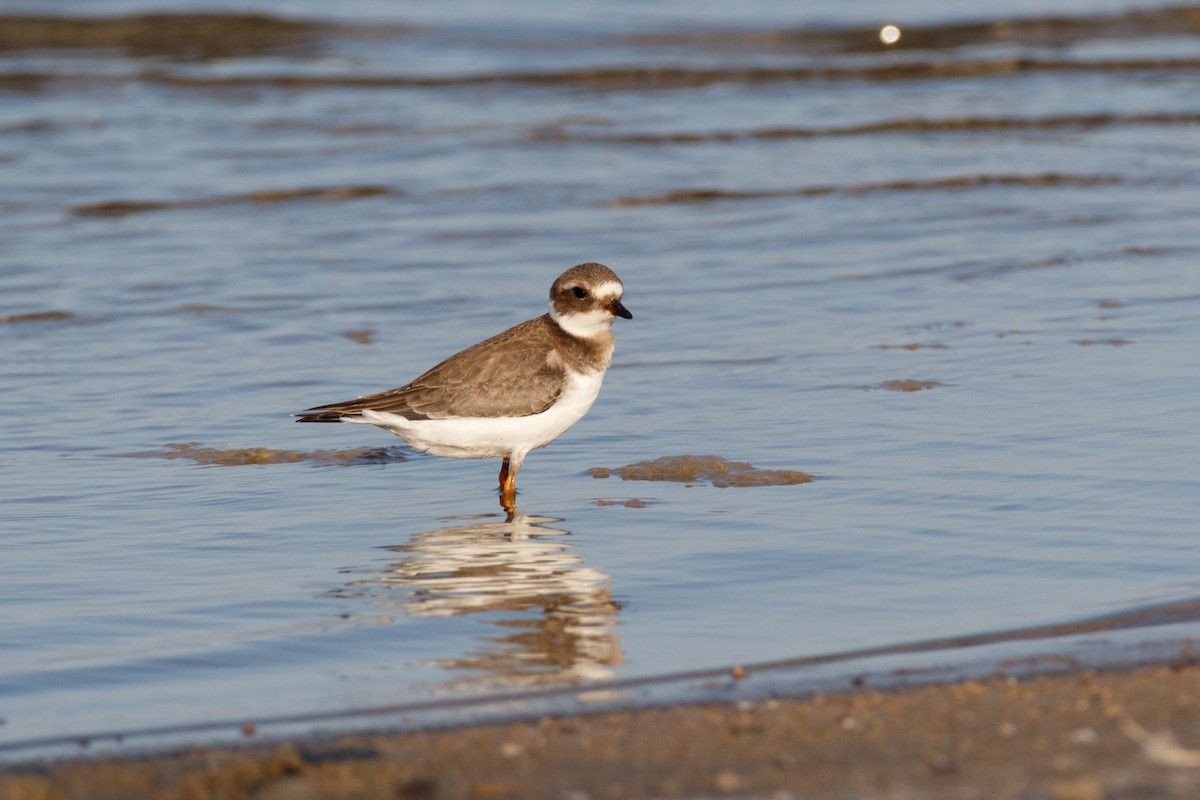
504, 465
508, 485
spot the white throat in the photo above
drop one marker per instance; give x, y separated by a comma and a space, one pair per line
585, 325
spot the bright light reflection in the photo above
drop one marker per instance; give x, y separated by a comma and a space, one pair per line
889, 34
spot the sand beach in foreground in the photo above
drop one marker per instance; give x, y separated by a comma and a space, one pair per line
1073, 735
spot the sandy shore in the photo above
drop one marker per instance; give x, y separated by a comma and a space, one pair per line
1080, 735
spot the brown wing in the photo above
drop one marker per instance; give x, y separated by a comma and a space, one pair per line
510, 375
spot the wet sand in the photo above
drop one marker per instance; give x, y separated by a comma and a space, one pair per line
1078, 735
718, 471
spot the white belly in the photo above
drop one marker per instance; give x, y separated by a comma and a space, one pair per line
486, 437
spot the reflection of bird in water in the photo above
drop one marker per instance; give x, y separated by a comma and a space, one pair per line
557, 614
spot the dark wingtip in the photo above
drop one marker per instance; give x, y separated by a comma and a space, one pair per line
318, 416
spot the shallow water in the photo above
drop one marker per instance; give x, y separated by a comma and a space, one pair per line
956, 280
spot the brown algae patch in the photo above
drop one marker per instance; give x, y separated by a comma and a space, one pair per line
35, 316
720, 472
913, 346
181, 35
1070, 122
1053, 30
213, 457
328, 194
1113, 342
363, 336
956, 183
633, 502
906, 385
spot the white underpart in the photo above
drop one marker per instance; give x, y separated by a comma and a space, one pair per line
487, 437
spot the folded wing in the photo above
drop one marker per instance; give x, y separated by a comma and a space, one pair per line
477, 382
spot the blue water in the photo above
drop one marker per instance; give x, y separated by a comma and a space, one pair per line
1047, 269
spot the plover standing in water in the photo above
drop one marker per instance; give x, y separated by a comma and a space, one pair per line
509, 394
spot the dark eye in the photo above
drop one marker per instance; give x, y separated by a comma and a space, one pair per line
580, 292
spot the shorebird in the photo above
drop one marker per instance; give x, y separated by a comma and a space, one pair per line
509, 394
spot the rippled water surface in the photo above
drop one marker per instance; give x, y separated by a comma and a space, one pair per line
957, 279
